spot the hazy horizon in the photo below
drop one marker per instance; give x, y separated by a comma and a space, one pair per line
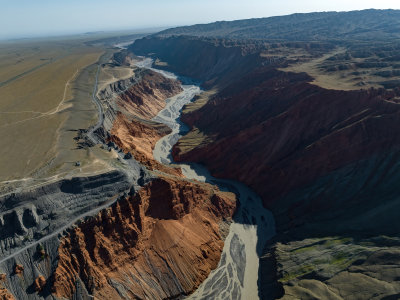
25, 19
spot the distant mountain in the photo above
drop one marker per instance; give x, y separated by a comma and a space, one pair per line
324, 26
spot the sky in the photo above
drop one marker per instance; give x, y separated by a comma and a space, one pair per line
30, 18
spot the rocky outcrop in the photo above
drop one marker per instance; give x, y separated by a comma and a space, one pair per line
19, 269
142, 95
39, 283
122, 58
33, 221
139, 137
132, 103
33, 214
146, 98
159, 243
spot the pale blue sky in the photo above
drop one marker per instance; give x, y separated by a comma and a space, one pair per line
22, 18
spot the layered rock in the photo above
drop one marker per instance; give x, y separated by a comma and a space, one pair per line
131, 104
139, 137
334, 268
45, 209
147, 97
159, 243
298, 131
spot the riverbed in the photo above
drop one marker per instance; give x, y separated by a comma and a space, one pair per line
237, 273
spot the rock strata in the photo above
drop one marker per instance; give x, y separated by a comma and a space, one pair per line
160, 243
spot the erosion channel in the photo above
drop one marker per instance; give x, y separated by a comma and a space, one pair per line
236, 276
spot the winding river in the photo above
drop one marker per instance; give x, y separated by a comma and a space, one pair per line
236, 276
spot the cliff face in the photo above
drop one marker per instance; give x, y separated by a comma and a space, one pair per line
285, 132
213, 64
147, 97
139, 138
312, 154
43, 210
133, 134
46, 211
159, 243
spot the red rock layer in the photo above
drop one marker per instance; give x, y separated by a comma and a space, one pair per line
131, 129
276, 132
139, 138
133, 134
160, 243
146, 98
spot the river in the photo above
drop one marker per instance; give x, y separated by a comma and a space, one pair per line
236, 276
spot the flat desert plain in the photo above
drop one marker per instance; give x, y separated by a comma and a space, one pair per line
45, 98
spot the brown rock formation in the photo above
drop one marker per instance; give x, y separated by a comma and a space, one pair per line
139, 137
132, 129
146, 98
39, 283
18, 269
160, 243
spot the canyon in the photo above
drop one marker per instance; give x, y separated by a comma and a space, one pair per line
144, 220
241, 160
